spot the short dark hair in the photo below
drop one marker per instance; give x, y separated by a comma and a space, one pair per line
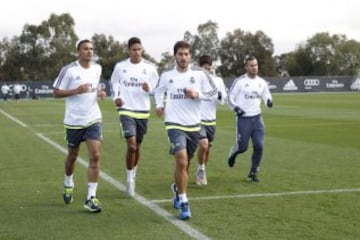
205, 59
181, 44
81, 42
248, 59
133, 40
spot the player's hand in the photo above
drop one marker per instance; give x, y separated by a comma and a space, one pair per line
191, 93
269, 103
119, 102
146, 87
83, 88
219, 96
101, 93
159, 111
238, 111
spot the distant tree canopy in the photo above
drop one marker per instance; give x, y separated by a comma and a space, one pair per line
40, 52
236, 46
108, 52
323, 55
206, 42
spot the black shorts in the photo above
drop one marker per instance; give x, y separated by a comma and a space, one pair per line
133, 127
75, 136
208, 132
183, 140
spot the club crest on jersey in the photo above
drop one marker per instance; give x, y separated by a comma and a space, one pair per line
144, 71
78, 78
124, 70
171, 81
192, 80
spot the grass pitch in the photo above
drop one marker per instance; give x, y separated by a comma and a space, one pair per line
309, 175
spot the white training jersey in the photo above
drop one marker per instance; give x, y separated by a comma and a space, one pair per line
81, 110
5, 89
247, 93
126, 83
182, 112
17, 89
208, 106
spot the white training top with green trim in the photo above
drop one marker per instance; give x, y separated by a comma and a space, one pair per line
126, 83
179, 109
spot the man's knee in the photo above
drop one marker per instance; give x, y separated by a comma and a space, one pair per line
181, 158
258, 145
204, 145
132, 148
242, 147
258, 148
73, 153
94, 156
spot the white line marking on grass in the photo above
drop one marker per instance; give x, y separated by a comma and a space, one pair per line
117, 184
255, 195
186, 228
13, 118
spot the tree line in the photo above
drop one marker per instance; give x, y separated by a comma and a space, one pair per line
41, 50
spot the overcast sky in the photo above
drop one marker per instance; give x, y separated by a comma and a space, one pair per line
160, 23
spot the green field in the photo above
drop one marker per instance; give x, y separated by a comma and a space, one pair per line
309, 189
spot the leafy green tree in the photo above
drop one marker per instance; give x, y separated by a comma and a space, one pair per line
41, 50
321, 49
108, 52
324, 54
48, 47
299, 63
263, 51
4, 46
206, 41
280, 65
238, 45
34, 49
167, 61
62, 42
12, 61
347, 58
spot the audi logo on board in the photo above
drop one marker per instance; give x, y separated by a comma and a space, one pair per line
311, 82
